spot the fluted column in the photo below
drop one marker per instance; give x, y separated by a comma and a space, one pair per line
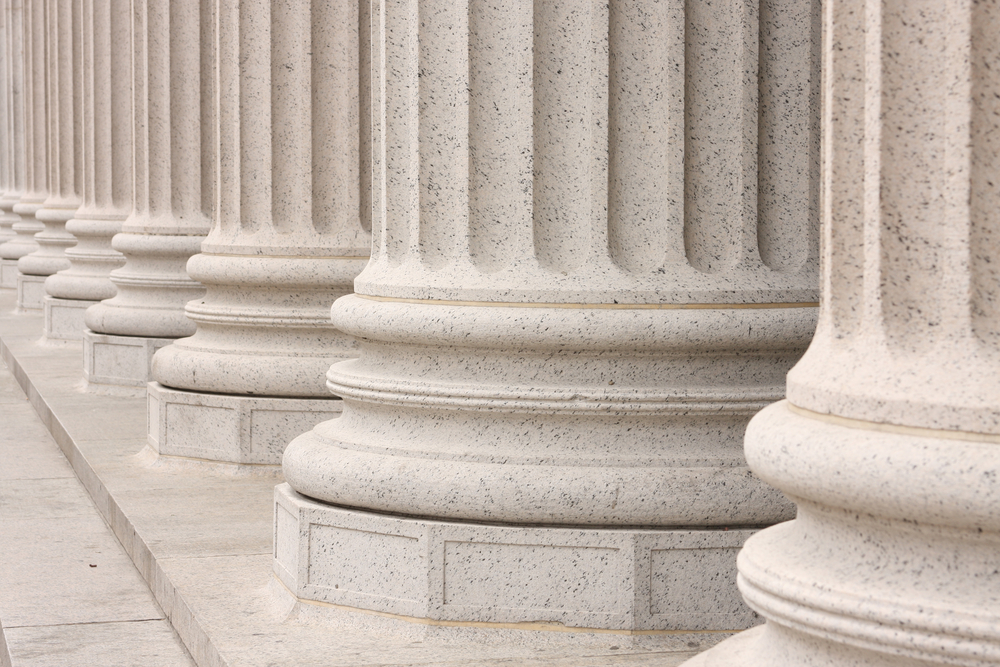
64, 61
172, 66
34, 131
13, 245
594, 258
888, 440
287, 240
107, 173
10, 190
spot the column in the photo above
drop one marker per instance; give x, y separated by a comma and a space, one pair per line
888, 440
286, 242
173, 175
34, 132
107, 169
63, 58
14, 146
594, 258
9, 190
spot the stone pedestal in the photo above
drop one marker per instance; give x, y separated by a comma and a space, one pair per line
30, 292
173, 96
888, 440
585, 278
107, 172
64, 317
121, 361
288, 238
219, 427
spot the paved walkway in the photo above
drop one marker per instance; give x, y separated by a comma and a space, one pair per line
69, 595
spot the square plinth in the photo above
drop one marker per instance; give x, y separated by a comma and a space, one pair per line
122, 361
64, 318
8, 273
30, 292
230, 428
647, 580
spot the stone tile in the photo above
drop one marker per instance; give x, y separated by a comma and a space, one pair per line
43, 499
46, 578
122, 644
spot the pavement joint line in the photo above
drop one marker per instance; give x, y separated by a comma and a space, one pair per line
109, 622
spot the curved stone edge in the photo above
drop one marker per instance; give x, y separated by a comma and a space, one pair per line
588, 578
234, 429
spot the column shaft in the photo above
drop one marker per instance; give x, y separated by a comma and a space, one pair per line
888, 440
594, 257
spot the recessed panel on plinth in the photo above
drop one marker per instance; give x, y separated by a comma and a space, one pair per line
229, 428
614, 579
64, 318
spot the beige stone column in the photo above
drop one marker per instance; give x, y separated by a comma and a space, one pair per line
594, 258
9, 190
35, 133
107, 173
888, 442
64, 104
14, 149
173, 91
287, 240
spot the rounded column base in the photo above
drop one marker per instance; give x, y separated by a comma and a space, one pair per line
229, 428
576, 577
50, 258
892, 559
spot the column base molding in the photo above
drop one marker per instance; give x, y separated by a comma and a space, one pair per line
30, 292
64, 318
230, 428
629, 580
8, 273
119, 361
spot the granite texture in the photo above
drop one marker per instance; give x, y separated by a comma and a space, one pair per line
106, 117
173, 89
288, 237
577, 577
30, 292
63, 64
119, 361
594, 257
888, 440
221, 427
64, 317
8, 273
12, 120
34, 129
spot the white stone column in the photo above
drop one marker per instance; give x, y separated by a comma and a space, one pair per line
14, 150
107, 173
287, 240
9, 192
35, 133
888, 442
594, 258
62, 77
172, 65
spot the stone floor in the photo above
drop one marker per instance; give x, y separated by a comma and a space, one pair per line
182, 550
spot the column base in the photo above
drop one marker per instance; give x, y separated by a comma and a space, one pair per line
230, 428
119, 361
64, 318
8, 273
623, 579
30, 292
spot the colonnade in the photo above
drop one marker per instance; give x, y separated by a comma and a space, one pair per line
571, 249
